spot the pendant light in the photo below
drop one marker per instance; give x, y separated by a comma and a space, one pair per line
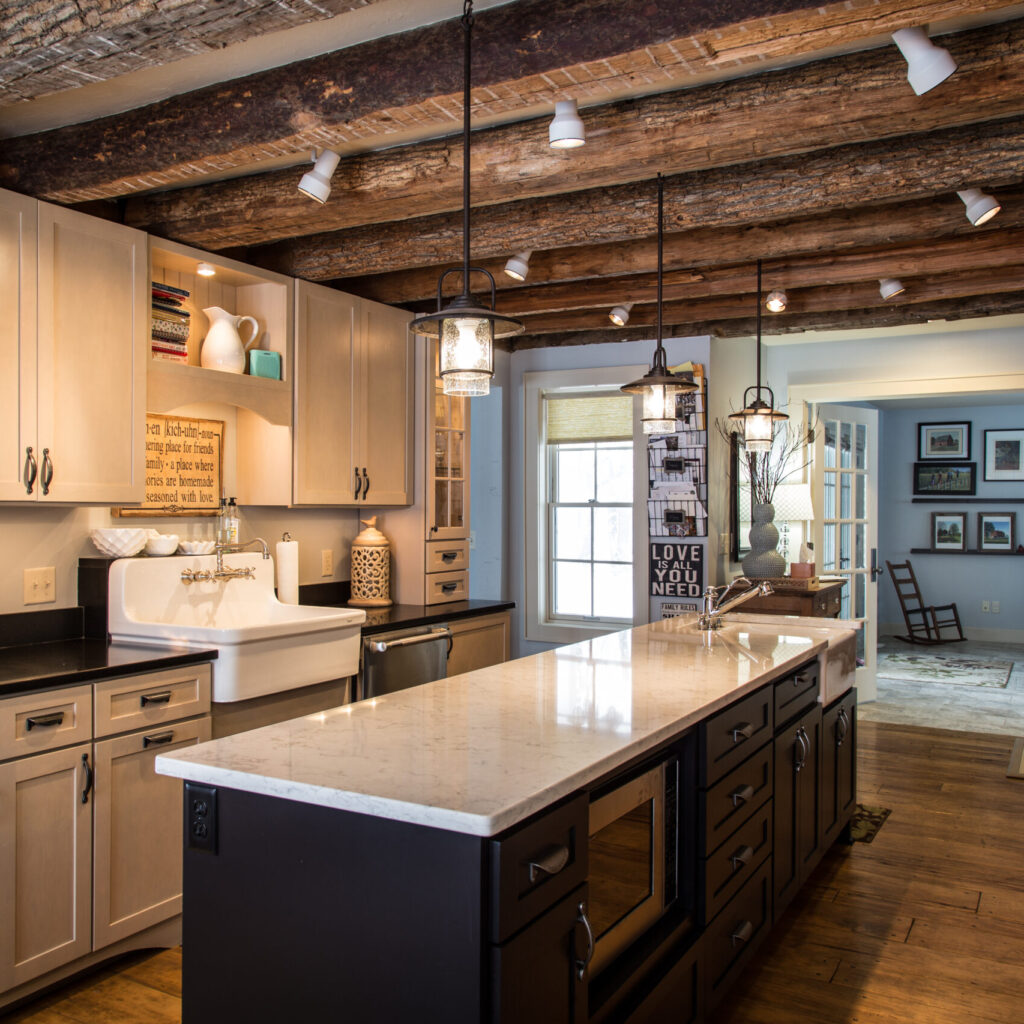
758, 416
465, 328
657, 386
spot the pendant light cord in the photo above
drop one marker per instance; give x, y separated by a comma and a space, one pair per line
661, 247
758, 329
467, 25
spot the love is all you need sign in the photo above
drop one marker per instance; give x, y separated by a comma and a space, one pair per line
677, 570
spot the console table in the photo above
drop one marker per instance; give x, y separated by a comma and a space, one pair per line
821, 601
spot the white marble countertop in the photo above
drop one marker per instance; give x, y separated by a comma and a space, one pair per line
479, 752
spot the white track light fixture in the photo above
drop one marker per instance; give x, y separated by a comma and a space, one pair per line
927, 64
205, 269
317, 183
657, 387
566, 131
981, 207
776, 301
619, 315
889, 288
518, 266
466, 328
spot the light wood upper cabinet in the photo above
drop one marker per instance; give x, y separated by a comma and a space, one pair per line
353, 400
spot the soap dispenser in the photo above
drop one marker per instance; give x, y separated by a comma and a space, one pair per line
232, 531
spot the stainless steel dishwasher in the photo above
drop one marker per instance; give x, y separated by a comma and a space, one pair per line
403, 658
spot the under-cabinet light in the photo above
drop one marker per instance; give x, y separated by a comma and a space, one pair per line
205, 269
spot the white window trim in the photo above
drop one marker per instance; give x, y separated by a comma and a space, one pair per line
538, 626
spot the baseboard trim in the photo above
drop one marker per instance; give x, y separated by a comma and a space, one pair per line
889, 630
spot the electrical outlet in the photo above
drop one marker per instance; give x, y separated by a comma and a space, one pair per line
326, 562
40, 585
995, 607
201, 810
984, 606
472, 539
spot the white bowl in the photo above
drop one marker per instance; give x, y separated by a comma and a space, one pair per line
162, 544
119, 543
196, 547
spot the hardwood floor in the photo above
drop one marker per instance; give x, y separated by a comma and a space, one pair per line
925, 925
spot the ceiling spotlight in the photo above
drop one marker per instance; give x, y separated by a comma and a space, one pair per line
566, 131
518, 266
776, 301
889, 287
317, 183
927, 64
619, 315
205, 269
981, 207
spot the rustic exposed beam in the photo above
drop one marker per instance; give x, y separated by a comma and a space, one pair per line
858, 97
908, 168
527, 53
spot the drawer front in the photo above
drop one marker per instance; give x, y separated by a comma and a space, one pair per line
34, 722
137, 702
730, 941
827, 605
536, 866
796, 692
447, 556
736, 860
733, 799
730, 736
447, 586
677, 996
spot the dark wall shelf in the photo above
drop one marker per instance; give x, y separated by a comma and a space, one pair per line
952, 499
929, 551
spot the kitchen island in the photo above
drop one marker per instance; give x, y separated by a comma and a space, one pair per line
429, 849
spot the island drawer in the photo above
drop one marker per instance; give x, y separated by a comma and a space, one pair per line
34, 722
447, 586
796, 692
733, 799
736, 860
135, 702
535, 866
447, 555
732, 735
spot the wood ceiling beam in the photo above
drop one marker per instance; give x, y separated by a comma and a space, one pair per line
859, 97
526, 54
908, 168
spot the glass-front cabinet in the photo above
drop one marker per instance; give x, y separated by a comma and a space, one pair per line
447, 484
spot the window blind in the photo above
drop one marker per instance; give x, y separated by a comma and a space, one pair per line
578, 418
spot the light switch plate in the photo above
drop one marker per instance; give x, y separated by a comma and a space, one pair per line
40, 585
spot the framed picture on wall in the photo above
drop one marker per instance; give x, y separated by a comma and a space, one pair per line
944, 441
996, 531
944, 478
1004, 454
949, 531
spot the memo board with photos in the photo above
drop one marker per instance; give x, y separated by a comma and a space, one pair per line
677, 464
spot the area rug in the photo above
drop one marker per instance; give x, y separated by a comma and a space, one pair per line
1016, 768
866, 822
943, 668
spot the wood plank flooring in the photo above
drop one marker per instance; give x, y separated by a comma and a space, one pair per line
925, 925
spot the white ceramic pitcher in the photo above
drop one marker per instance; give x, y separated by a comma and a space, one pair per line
223, 348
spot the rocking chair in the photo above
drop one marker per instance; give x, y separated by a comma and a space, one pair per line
924, 624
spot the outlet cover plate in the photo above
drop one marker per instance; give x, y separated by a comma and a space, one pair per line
40, 585
326, 562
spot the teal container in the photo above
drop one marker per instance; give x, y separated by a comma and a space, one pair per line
264, 364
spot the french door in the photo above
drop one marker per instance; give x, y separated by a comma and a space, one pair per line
845, 495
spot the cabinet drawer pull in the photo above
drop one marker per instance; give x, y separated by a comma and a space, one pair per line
359, 483
449, 556
30, 470
741, 858
158, 739
449, 588
88, 778
741, 795
842, 727
805, 748
366, 483
742, 933
799, 680
47, 477
581, 917
163, 697
549, 861
39, 721
742, 732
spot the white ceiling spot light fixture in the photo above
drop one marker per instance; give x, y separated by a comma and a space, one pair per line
566, 131
889, 288
981, 207
317, 183
518, 266
927, 64
466, 328
758, 417
205, 269
657, 387
776, 301
619, 315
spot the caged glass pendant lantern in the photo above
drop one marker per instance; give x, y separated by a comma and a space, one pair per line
758, 417
657, 387
465, 328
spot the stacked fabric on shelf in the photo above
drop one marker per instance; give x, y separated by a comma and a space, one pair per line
170, 323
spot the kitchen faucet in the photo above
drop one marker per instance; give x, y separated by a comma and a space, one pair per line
220, 573
714, 605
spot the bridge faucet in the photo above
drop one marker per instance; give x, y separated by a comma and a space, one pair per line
220, 573
715, 605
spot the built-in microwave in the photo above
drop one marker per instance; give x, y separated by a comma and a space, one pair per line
635, 852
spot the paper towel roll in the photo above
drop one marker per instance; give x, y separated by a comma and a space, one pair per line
288, 571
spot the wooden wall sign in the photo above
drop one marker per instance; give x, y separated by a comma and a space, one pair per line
677, 570
183, 467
